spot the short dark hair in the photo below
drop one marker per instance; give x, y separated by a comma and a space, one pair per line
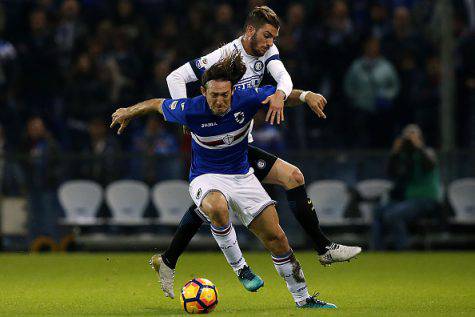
229, 68
262, 15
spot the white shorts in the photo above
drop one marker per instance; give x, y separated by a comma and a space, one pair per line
245, 195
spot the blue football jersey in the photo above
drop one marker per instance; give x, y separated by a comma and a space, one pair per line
219, 143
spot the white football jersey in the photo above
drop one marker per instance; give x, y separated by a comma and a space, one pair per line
255, 66
255, 70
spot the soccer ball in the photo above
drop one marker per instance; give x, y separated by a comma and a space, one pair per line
199, 296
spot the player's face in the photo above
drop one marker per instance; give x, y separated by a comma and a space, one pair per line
262, 39
218, 94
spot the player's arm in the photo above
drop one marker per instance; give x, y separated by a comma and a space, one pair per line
315, 101
277, 70
123, 116
178, 79
191, 72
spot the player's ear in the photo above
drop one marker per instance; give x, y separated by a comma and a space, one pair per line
203, 91
250, 30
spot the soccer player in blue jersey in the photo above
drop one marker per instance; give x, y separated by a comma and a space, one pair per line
260, 55
220, 175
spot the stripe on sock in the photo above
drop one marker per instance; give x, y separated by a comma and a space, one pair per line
282, 259
221, 231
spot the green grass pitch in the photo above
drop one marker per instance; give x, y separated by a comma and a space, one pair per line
118, 284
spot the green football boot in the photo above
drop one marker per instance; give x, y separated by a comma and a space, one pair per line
249, 280
312, 302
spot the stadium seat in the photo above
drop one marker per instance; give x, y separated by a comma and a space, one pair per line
127, 200
461, 196
80, 200
371, 191
171, 198
331, 198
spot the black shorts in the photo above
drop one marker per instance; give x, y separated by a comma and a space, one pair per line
261, 161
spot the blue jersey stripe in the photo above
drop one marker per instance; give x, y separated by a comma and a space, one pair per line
198, 71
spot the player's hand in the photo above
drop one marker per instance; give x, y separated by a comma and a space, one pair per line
276, 107
317, 103
121, 116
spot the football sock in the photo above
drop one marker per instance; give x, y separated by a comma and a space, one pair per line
226, 238
304, 212
289, 268
189, 225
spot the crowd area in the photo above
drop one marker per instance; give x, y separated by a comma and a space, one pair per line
66, 65
70, 63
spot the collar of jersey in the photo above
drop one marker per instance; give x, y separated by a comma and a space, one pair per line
243, 51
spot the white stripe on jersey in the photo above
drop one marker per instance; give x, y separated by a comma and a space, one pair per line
228, 139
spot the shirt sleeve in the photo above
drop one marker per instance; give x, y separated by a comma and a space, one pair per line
272, 55
191, 72
176, 110
200, 65
277, 70
263, 92
178, 79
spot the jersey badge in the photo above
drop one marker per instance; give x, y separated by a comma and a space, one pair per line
239, 116
228, 139
173, 105
198, 194
258, 66
261, 164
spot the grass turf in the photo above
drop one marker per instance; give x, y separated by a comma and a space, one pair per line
117, 284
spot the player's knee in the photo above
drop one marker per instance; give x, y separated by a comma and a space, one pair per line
221, 215
295, 178
216, 207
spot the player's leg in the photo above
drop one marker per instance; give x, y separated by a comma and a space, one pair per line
266, 227
165, 263
186, 230
292, 179
271, 170
215, 206
257, 211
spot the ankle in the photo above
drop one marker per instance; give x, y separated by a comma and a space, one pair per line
166, 260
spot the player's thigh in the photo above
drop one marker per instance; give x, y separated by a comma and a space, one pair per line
284, 174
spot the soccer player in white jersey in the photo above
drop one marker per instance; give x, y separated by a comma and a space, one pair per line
220, 175
259, 54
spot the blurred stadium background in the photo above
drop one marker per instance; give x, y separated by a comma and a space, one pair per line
65, 66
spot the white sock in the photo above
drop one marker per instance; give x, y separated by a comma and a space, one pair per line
226, 238
289, 268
